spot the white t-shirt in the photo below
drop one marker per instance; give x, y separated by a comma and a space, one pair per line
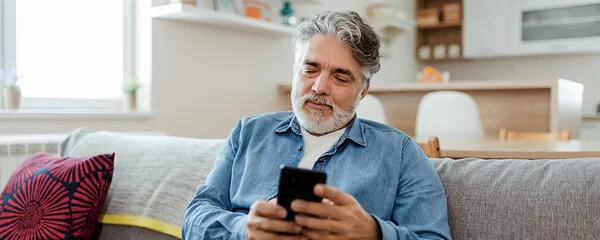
315, 146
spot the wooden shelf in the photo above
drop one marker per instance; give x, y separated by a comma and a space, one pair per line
439, 34
187, 13
439, 26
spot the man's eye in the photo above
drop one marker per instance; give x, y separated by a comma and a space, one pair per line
341, 80
309, 71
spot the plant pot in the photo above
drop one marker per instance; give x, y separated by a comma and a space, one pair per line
130, 101
12, 98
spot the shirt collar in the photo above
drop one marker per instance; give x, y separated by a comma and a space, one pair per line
287, 124
354, 132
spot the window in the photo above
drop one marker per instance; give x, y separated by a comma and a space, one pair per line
71, 53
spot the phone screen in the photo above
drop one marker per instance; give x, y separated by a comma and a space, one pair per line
297, 183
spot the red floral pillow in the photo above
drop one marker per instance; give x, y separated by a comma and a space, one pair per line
55, 198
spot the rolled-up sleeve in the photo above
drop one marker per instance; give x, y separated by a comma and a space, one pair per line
209, 214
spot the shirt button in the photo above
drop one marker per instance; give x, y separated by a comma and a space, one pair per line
321, 160
299, 148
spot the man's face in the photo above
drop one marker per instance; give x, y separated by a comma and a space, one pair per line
327, 85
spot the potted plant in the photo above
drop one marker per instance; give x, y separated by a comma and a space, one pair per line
11, 91
130, 87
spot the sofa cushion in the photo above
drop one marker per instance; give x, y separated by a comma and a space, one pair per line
49, 197
154, 179
522, 199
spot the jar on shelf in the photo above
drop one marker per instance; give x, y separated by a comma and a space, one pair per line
287, 14
439, 51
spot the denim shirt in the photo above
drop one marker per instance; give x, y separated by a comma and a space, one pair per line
384, 169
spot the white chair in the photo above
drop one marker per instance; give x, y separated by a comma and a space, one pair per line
371, 108
448, 114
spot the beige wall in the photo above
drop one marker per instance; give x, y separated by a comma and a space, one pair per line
204, 79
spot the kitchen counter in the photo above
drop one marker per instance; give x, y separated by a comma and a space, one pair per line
527, 105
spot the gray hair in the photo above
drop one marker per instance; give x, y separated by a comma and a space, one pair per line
349, 28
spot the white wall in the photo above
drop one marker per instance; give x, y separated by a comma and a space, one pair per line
204, 79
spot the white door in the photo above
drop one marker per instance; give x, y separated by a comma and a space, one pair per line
485, 28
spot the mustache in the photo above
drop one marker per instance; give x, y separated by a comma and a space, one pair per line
317, 99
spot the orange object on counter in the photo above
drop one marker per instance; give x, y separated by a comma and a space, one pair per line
431, 75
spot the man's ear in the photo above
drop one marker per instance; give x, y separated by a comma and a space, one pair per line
365, 91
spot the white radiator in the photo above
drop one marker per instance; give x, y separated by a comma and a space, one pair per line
17, 148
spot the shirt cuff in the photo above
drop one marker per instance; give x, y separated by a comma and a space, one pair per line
377, 220
385, 229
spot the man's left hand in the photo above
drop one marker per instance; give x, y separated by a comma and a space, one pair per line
341, 218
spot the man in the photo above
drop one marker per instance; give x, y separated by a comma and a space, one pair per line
380, 184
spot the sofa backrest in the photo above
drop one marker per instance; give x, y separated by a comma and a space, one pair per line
522, 199
487, 199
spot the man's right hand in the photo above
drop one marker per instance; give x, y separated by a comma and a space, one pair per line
265, 221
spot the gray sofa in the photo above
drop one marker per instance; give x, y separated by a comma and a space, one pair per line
156, 176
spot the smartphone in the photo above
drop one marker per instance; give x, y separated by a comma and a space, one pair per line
297, 183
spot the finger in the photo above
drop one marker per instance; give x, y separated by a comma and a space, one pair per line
265, 209
318, 209
335, 195
319, 224
269, 235
274, 225
327, 201
315, 234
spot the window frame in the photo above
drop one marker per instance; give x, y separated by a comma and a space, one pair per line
8, 60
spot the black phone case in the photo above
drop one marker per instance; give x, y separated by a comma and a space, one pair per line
297, 183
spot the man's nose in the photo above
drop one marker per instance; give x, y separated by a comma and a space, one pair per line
321, 84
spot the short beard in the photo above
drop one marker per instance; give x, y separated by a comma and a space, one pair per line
312, 122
